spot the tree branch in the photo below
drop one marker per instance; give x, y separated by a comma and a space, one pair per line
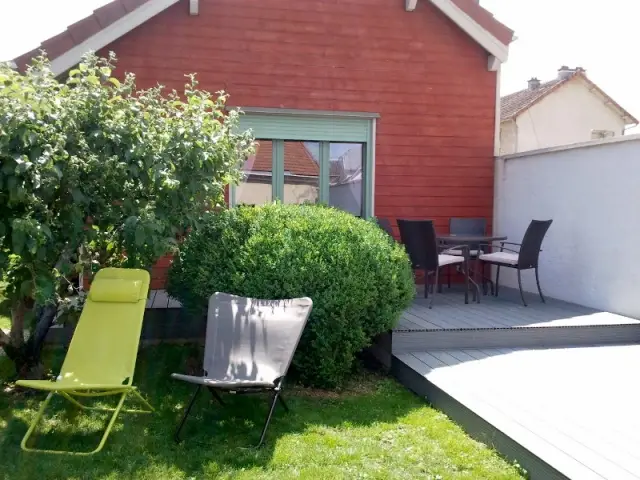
4, 338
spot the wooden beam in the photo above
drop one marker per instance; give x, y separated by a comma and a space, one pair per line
111, 33
476, 31
494, 64
410, 5
193, 7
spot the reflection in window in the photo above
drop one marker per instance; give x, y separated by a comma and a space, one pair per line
301, 172
345, 177
255, 187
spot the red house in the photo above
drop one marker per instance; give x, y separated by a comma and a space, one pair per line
381, 107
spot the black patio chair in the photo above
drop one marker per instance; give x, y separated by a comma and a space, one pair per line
465, 226
420, 241
385, 225
524, 258
249, 346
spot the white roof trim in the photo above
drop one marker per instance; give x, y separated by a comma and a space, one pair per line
490, 43
111, 33
410, 5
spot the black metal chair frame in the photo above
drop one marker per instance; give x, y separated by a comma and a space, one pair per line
215, 392
385, 225
528, 255
424, 251
459, 226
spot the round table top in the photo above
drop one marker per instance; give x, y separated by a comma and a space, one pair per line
470, 238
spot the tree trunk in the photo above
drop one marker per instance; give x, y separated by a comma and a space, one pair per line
18, 311
26, 355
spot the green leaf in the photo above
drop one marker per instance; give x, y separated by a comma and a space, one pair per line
114, 81
78, 196
18, 240
139, 236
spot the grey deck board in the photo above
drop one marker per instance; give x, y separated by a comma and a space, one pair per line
450, 312
503, 322
575, 408
152, 296
159, 299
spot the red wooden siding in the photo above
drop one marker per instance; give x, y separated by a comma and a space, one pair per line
424, 76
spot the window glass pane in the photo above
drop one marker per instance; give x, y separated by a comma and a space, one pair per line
255, 188
301, 172
345, 177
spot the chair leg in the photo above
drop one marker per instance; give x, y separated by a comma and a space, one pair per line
539, 289
520, 286
215, 395
436, 287
466, 282
276, 395
176, 436
497, 280
103, 440
426, 284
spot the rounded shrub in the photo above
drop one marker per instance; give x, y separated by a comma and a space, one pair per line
358, 278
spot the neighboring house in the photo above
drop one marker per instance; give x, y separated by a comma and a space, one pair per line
404, 92
569, 109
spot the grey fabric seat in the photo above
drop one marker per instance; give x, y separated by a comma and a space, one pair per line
249, 347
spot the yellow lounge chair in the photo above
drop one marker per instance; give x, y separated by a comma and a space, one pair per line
102, 355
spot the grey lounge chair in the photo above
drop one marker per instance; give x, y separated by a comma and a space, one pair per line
249, 346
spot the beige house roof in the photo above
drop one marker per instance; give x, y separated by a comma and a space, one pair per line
517, 103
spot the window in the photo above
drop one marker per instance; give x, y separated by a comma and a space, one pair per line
310, 157
345, 177
301, 172
255, 187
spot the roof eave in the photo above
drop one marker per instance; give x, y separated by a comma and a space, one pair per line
483, 37
105, 36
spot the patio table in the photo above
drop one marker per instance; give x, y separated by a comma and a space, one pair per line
470, 240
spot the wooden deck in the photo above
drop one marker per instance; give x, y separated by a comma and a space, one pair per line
505, 322
158, 299
551, 386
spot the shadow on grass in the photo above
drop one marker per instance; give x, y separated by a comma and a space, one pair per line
216, 439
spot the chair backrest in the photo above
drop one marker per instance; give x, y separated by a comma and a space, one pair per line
531, 243
419, 239
250, 339
104, 346
468, 226
385, 225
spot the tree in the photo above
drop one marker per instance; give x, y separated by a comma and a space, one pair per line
94, 172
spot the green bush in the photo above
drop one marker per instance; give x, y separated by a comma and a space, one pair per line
359, 279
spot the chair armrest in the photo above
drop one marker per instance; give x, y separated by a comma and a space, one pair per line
452, 246
501, 247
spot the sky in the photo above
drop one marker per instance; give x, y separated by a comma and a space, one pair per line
601, 37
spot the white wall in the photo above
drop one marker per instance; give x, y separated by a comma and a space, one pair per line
508, 137
564, 117
591, 254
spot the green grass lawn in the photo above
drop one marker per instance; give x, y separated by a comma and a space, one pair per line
373, 429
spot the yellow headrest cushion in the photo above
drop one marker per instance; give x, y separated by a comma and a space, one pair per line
111, 290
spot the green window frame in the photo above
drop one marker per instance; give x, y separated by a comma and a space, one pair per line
324, 127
